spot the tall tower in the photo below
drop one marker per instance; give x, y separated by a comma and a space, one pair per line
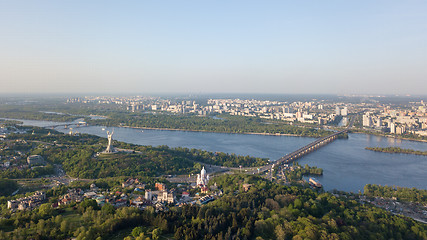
110, 149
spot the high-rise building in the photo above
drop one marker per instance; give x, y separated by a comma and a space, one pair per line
337, 111
367, 120
400, 129
379, 122
392, 128
287, 110
344, 111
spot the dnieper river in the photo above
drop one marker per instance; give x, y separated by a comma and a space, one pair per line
347, 165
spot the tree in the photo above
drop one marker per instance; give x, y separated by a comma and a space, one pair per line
156, 234
280, 234
137, 231
65, 226
88, 203
45, 210
108, 209
297, 204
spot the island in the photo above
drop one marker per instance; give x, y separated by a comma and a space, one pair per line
397, 150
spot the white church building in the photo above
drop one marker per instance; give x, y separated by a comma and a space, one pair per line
202, 178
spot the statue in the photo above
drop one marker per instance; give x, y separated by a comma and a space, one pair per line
110, 149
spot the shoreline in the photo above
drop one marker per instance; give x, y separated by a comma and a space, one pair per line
205, 131
388, 136
267, 134
383, 150
249, 133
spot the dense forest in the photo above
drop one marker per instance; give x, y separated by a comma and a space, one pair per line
265, 211
223, 123
396, 150
401, 193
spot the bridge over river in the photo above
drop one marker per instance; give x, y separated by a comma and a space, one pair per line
313, 146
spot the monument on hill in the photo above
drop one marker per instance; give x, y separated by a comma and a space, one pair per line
110, 148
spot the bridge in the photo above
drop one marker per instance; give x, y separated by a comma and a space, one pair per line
290, 157
67, 125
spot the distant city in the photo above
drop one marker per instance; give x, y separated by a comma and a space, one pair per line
378, 117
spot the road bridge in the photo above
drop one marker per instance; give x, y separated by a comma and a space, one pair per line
68, 125
313, 146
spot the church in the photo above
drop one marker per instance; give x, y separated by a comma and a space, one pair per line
202, 178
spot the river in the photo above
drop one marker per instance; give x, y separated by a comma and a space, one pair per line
347, 165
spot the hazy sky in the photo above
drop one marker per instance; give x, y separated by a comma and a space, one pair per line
206, 46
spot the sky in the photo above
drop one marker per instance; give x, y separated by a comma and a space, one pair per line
229, 46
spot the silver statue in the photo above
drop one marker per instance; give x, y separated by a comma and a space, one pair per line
110, 149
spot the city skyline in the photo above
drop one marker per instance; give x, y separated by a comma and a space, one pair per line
205, 47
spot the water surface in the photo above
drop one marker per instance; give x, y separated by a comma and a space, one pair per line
347, 165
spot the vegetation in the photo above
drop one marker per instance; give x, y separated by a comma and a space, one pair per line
27, 173
225, 123
7, 187
145, 161
116, 117
299, 172
265, 211
401, 193
397, 150
413, 136
6, 123
33, 113
77, 155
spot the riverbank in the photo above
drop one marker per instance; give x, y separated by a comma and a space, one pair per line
205, 131
250, 133
387, 135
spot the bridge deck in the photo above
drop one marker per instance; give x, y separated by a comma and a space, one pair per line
290, 157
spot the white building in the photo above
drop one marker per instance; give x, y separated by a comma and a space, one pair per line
400, 130
392, 127
367, 121
148, 195
337, 111
344, 111
167, 197
379, 122
202, 178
